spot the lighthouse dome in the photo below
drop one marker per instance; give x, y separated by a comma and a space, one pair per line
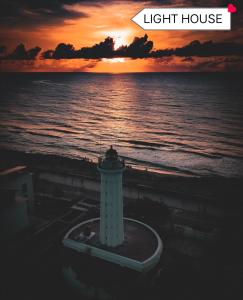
111, 161
111, 154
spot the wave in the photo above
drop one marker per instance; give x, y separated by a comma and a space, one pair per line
192, 122
160, 166
49, 135
143, 143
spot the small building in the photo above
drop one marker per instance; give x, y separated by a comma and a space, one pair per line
16, 200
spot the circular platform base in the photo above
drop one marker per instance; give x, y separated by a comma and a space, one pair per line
140, 251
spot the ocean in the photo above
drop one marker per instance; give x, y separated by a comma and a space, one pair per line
190, 124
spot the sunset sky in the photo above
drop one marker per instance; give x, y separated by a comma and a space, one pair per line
47, 23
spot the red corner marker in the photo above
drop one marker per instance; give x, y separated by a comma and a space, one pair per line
231, 8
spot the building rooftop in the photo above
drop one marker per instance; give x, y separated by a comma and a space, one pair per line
12, 171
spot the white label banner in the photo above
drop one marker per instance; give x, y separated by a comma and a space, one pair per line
184, 19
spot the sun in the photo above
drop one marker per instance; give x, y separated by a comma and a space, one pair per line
114, 60
120, 37
119, 41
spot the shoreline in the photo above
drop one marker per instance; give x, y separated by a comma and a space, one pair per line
133, 163
222, 191
11, 154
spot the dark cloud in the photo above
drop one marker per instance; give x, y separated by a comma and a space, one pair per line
186, 3
188, 59
211, 64
41, 65
209, 48
206, 49
142, 48
165, 60
61, 51
139, 48
17, 13
195, 3
20, 53
223, 64
233, 64
104, 49
181, 3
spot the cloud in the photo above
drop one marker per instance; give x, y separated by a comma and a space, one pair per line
219, 64
174, 3
104, 49
49, 65
20, 53
210, 48
164, 60
21, 13
188, 59
205, 49
188, 3
141, 47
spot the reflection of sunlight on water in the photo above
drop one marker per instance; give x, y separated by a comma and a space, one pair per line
116, 124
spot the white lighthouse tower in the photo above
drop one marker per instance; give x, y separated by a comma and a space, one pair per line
111, 202
121, 241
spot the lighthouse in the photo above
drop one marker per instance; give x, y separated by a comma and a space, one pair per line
112, 238
111, 200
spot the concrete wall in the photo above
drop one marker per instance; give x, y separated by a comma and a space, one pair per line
23, 184
14, 217
134, 192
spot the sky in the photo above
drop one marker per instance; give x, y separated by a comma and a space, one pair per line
99, 36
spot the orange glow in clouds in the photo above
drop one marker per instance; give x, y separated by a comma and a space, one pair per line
100, 21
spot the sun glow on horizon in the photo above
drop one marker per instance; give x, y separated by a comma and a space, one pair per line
120, 37
119, 41
114, 60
